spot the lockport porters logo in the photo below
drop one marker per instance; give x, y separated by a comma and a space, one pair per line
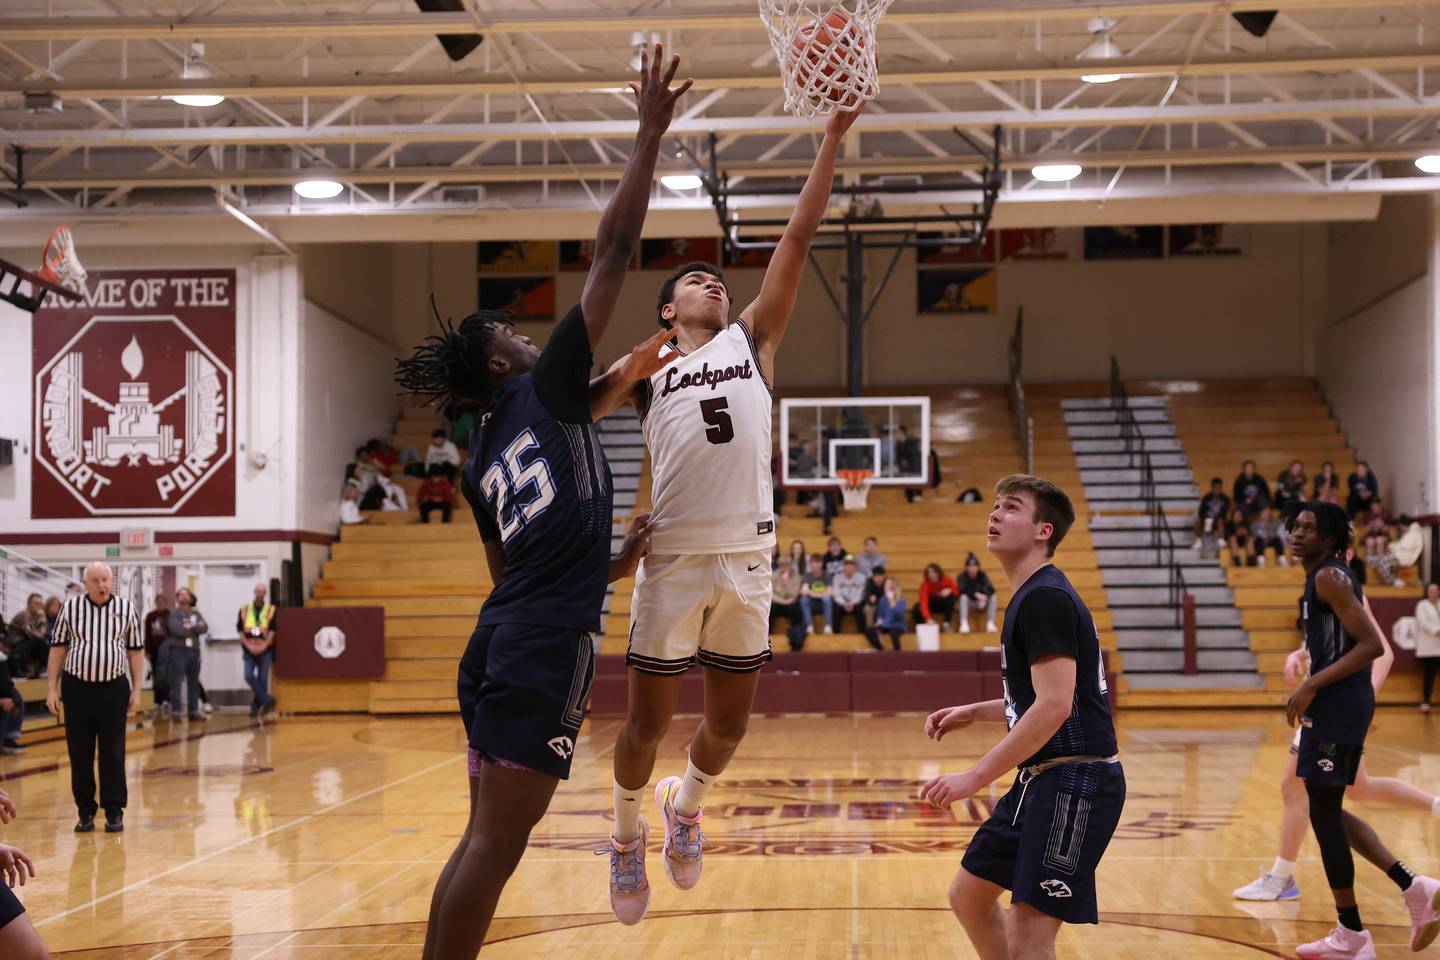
135, 398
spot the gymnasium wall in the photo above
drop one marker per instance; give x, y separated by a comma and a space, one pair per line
1252, 315
1377, 361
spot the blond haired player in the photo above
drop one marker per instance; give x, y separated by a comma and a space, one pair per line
703, 593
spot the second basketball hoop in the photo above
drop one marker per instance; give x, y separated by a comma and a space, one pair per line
826, 52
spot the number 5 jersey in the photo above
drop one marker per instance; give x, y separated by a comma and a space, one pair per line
538, 482
707, 420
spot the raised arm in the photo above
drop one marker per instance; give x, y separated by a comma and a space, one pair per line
769, 315
624, 217
1334, 588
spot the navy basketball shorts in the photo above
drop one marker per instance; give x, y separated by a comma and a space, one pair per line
10, 906
523, 691
1325, 763
1045, 839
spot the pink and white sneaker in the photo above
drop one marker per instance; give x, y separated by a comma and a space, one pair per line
1341, 944
629, 890
1423, 902
684, 843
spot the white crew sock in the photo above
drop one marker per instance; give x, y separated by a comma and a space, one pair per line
1283, 868
627, 812
693, 787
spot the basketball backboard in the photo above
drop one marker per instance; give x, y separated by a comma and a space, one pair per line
12, 276
822, 436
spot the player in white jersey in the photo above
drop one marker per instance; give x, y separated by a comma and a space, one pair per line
703, 593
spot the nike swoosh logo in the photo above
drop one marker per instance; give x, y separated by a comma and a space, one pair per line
756, 567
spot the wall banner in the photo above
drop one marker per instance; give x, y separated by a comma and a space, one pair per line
134, 404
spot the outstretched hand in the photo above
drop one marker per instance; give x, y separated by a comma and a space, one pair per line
840, 121
635, 548
653, 96
645, 361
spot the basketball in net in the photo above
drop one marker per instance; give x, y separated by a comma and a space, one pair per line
60, 265
826, 52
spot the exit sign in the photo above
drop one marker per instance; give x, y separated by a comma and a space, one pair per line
112, 551
136, 538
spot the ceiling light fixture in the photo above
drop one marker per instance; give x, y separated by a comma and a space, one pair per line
319, 189
1430, 163
1055, 172
1103, 47
195, 69
681, 181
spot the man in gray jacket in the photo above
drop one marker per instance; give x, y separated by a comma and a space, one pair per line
185, 628
848, 590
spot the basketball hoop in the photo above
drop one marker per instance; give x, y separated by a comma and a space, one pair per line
855, 488
60, 265
826, 51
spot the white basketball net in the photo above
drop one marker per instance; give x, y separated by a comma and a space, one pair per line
826, 51
855, 496
61, 265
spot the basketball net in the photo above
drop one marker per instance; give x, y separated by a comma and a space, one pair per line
855, 488
60, 265
826, 52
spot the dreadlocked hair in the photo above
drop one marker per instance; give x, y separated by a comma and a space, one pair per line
1331, 523
450, 368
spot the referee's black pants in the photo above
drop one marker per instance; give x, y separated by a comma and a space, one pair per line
95, 713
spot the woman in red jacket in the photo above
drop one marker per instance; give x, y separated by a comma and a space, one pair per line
937, 598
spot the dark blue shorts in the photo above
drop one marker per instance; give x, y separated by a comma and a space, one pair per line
1325, 763
10, 906
523, 691
1045, 838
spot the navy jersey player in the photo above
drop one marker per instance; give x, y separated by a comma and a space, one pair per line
1046, 836
540, 488
1334, 707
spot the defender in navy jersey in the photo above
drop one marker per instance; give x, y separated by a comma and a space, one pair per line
1334, 708
538, 483
1046, 836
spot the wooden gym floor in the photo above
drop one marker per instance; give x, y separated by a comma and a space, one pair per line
320, 839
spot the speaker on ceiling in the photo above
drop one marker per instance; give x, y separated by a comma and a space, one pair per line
457, 46
1255, 22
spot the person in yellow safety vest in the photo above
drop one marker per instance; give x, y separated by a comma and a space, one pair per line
256, 624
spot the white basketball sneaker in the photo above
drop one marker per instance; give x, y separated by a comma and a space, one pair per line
1341, 944
1269, 887
1423, 902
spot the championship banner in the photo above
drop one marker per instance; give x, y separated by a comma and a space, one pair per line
327, 643
135, 398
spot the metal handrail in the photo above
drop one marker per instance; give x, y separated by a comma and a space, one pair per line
12, 557
1161, 536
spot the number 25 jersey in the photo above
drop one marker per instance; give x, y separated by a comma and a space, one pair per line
707, 420
538, 482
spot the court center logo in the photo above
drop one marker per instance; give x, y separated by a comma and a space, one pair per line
137, 431
330, 642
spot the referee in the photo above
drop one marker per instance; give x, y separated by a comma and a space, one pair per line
96, 634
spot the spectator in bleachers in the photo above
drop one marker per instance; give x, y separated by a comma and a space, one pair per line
834, 558
52, 614
1378, 529
799, 557
785, 602
977, 592
1290, 486
443, 452
871, 557
1427, 644
1327, 477
1380, 551
815, 592
907, 459
848, 589
462, 426
383, 453
1252, 493
1364, 489
803, 465
367, 469
12, 708
350, 504
889, 615
1267, 530
1240, 540
937, 597
436, 493
874, 586
27, 638
1210, 520
394, 495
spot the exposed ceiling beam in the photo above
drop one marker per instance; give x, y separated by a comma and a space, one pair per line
732, 126
767, 166
583, 20
446, 85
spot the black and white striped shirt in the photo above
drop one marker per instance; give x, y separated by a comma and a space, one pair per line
96, 637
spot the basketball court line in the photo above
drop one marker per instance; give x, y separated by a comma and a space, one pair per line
248, 840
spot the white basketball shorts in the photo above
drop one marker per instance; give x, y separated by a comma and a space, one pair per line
714, 608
